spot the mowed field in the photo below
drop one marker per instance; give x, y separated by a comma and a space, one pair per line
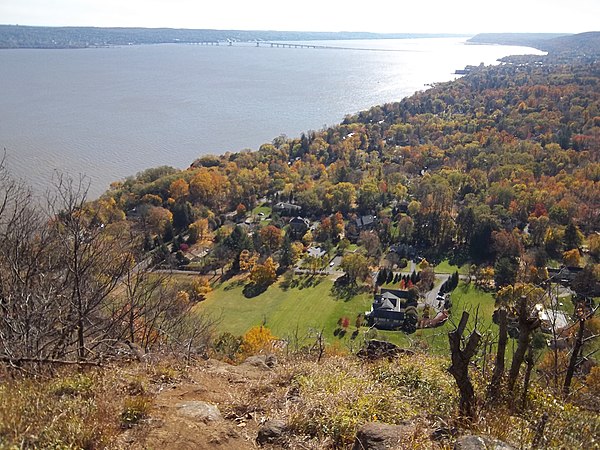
310, 306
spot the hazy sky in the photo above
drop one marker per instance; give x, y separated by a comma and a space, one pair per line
429, 16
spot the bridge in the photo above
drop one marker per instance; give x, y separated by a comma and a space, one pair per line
272, 44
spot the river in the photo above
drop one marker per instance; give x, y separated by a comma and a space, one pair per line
108, 113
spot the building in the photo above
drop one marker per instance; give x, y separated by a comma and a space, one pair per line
361, 223
287, 209
393, 309
298, 226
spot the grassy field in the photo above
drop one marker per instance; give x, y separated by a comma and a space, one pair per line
479, 305
446, 267
310, 305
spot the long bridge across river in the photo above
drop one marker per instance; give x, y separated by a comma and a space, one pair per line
271, 44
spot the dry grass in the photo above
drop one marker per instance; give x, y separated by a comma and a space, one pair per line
72, 408
323, 404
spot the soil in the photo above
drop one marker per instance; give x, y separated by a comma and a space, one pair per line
213, 382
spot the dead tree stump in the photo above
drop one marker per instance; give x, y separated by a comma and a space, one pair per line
460, 366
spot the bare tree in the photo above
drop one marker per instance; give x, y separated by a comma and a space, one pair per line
528, 323
460, 365
498, 373
95, 258
583, 313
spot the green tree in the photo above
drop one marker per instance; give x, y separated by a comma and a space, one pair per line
505, 271
356, 267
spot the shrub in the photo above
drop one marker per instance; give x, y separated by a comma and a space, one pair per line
135, 409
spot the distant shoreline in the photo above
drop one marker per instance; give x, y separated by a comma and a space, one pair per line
18, 36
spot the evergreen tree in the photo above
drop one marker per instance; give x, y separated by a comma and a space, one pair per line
573, 237
505, 271
286, 255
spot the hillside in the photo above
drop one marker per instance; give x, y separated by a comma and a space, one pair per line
18, 36
586, 44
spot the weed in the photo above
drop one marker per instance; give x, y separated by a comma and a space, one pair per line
135, 409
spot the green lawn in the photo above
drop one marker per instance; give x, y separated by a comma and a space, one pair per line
266, 210
313, 307
446, 267
465, 297
283, 311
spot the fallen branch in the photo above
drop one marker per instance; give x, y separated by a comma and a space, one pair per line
19, 361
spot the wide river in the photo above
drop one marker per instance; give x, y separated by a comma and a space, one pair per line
109, 113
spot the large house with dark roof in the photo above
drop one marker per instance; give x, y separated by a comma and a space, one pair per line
361, 223
298, 226
393, 309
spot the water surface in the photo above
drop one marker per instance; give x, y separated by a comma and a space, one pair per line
111, 112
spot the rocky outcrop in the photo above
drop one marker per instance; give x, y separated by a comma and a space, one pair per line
272, 432
383, 436
200, 411
375, 349
264, 362
473, 442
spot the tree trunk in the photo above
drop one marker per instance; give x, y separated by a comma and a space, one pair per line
494, 387
574, 356
460, 366
526, 326
529, 361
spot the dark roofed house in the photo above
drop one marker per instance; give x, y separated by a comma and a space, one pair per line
288, 209
365, 222
298, 226
404, 251
362, 223
393, 309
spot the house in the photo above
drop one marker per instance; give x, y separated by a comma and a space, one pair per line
365, 222
564, 275
287, 209
393, 309
316, 252
361, 223
298, 226
404, 251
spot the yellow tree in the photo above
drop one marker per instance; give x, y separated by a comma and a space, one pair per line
256, 340
199, 230
572, 258
264, 274
247, 260
179, 189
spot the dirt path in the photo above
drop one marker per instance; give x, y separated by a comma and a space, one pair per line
185, 417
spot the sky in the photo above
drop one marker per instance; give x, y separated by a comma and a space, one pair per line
385, 16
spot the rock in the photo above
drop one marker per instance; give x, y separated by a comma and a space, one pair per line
264, 362
375, 349
382, 436
472, 442
272, 432
201, 411
442, 433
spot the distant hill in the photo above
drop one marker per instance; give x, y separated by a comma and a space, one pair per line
583, 43
16, 36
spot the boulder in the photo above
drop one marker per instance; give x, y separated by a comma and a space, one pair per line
375, 349
200, 411
472, 442
264, 362
272, 432
382, 436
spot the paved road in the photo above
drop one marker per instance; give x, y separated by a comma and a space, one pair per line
431, 296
